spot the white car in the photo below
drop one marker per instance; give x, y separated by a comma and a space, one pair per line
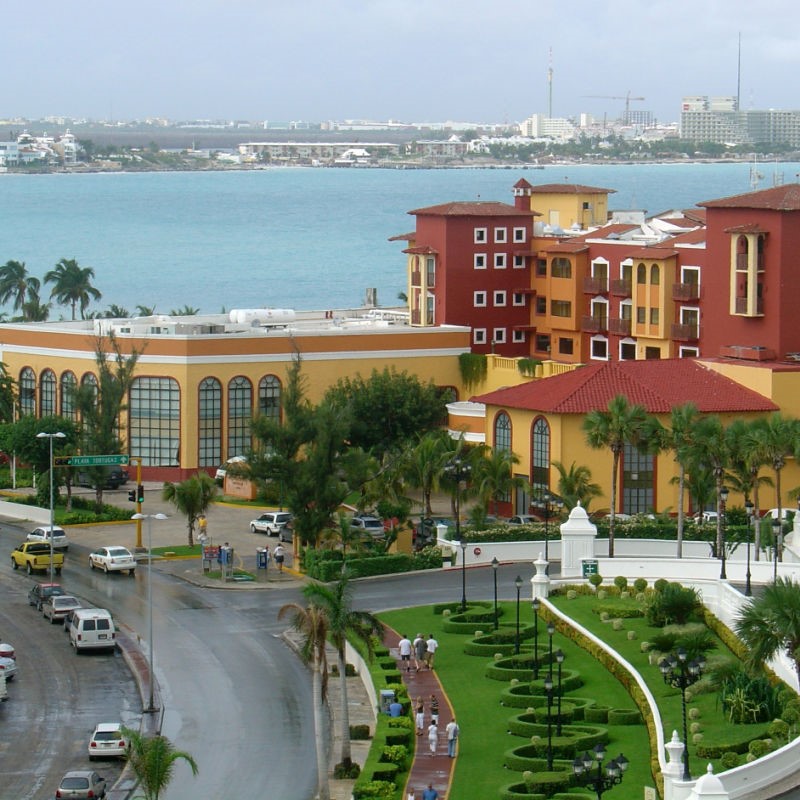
108, 741
112, 559
42, 534
522, 519
9, 668
270, 522
57, 607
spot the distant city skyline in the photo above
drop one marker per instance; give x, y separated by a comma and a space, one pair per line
416, 61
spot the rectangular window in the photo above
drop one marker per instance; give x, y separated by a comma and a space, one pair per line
542, 343
500, 261
561, 267
654, 316
500, 235
565, 346
154, 420
518, 336
519, 235
499, 335
430, 269
519, 262
480, 261
499, 298
541, 268
561, 308
600, 349
480, 235
541, 305
479, 336
688, 352
641, 315
518, 299
479, 299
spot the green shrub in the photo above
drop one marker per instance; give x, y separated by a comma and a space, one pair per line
374, 790
597, 714
400, 722
596, 579
673, 604
344, 771
359, 733
758, 748
729, 760
640, 584
395, 754
621, 582
624, 716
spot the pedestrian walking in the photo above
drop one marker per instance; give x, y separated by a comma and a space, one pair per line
419, 716
267, 557
412, 794
431, 646
433, 737
452, 737
434, 706
406, 649
430, 793
279, 556
420, 648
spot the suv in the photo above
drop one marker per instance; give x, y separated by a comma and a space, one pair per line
271, 523
114, 478
42, 534
369, 524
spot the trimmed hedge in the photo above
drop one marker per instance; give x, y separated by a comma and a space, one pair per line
625, 716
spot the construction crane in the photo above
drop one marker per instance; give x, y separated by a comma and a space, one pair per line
626, 120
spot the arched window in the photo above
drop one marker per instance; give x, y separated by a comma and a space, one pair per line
69, 383
502, 432
641, 274
269, 397
540, 454
655, 275
240, 412
209, 423
47, 393
561, 267
27, 392
90, 380
154, 417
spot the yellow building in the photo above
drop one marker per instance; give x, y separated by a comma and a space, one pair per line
200, 379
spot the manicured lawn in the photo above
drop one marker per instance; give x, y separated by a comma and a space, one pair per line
483, 721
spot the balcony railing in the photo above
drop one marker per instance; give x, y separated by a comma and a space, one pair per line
685, 291
416, 277
594, 324
595, 285
620, 327
741, 306
621, 288
685, 333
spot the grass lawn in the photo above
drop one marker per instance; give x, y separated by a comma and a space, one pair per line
484, 739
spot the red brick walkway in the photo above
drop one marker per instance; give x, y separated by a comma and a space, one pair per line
426, 768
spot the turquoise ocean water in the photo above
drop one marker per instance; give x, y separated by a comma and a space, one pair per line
286, 238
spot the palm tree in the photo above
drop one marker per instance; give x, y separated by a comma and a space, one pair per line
770, 623
711, 450
311, 623
152, 759
145, 311
622, 423
15, 283
423, 465
186, 311
575, 485
116, 312
33, 310
72, 285
191, 497
343, 622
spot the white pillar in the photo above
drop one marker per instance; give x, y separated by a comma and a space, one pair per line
540, 582
578, 535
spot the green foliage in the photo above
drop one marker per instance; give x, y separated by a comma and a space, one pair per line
374, 790
473, 368
640, 584
596, 579
153, 759
672, 604
527, 366
621, 582
359, 733
346, 770
749, 699
191, 498
730, 760
395, 754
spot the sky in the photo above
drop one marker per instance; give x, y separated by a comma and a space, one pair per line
406, 60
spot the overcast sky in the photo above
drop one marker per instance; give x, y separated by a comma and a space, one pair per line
408, 60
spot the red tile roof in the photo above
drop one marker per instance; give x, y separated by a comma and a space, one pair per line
657, 385
696, 236
479, 208
422, 250
779, 198
751, 227
568, 188
565, 247
404, 237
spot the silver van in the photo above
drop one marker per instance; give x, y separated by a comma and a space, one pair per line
92, 629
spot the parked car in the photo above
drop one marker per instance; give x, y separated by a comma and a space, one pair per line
41, 591
222, 470
42, 534
9, 668
369, 524
69, 619
7, 650
705, 518
113, 559
773, 513
270, 522
56, 607
92, 629
83, 784
108, 741
522, 519
112, 478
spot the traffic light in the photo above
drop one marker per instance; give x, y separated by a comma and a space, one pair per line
140, 493
132, 496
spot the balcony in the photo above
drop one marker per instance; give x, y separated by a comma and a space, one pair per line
684, 333
621, 288
595, 286
619, 327
741, 306
684, 292
594, 324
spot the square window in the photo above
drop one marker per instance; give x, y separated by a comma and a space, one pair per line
499, 260
519, 262
565, 346
480, 261
518, 299
500, 235
479, 299
499, 298
541, 268
480, 235
518, 336
627, 351
519, 234
641, 315
499, 335
479, 336
654, 316
561, 308
542, 343
600, 349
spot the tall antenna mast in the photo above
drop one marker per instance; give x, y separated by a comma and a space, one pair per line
739, 75
550, 84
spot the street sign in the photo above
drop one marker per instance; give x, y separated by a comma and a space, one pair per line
89, 461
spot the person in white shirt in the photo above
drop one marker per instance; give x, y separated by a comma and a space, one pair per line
431, 647
452, 737
405, 648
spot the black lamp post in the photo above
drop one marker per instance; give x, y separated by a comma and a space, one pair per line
459, 470
547, 503
518, 584
776, 532
559, 661
536, 605
681, 674
751, 520
495, 565
723, 498
548, 687
551, 629
602, 779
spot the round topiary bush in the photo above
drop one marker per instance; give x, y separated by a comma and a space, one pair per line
621, 582
632, 636
729, 760
640, 584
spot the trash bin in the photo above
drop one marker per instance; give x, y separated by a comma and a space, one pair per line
589, 566
387, 698
261, 558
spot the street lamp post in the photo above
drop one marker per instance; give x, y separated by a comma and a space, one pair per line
518, 584
547, 503
723, 497
776, 532
459, 470
50, 437
752, 519
463, 546
548, 687
495, 565
559, 661
603, 779
682, 674
551, 629
149, 517
536, 605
